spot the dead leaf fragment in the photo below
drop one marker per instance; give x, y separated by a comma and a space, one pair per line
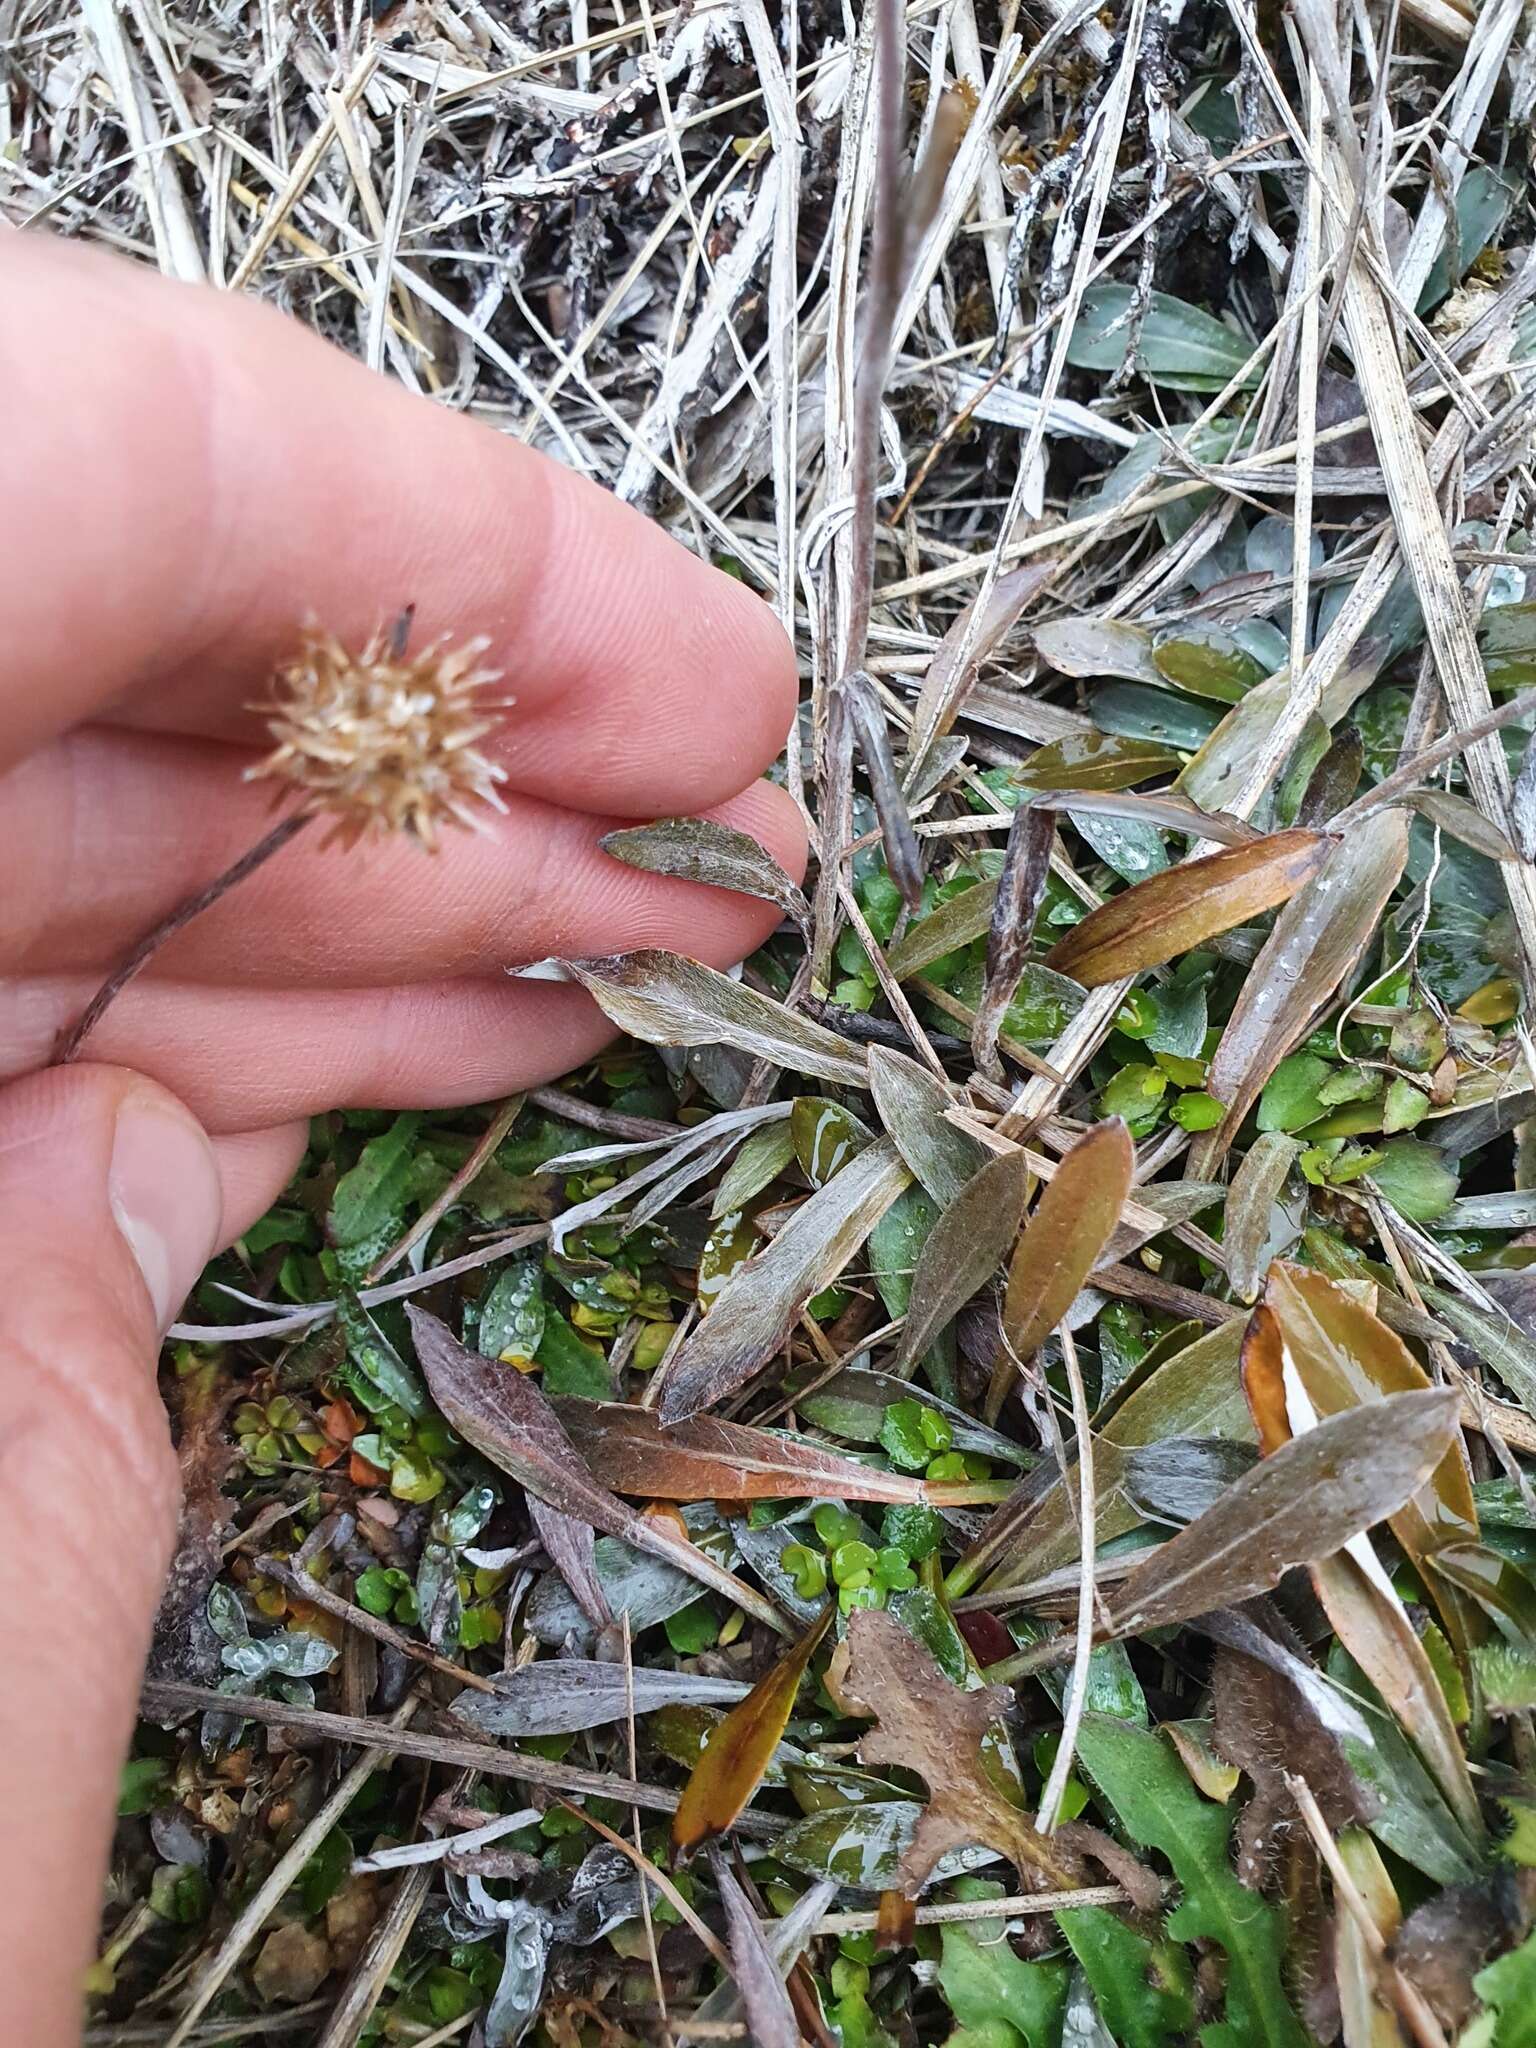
925, 1724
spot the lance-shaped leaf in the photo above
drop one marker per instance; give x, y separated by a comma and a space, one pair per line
1071, 1224
1093, 648
964, 1249
923, 1723
667, 1000
509, 1421
1156, 920
955, 923
1161, 807
1302, 1503
1316, 941
705, 1458
1356, 1594
912, 1106
1255, 1189
702, 850
740, 1748
563, 1695
1095, 760
753, 1312
1026, 864
1344, 1355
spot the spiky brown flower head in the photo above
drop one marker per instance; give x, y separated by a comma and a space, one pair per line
384, 741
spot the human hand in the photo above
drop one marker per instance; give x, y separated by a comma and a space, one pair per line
191, 478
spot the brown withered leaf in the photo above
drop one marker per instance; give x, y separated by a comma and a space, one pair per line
1026, 865
912, 1107
753, 1312
1061, 1243
1445, 1941
1302, 1503
1156, 920
1344, 1355
702, 850
925, 1724
571, 1547
509, 1421
1316, 940
1367, 1616
740, 1748
666, 1000
963, 1250
706, 1458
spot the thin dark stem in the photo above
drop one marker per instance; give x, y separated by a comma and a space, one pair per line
881, 298
175, 921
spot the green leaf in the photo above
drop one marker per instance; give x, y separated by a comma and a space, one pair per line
1180, 345
375, 1361
984, 1982
140, 1785
1143, 1988
1508, 1987
1291, 1099
1415, 1179
1146, 1785
512, 1315
1481, 204
1507, 1676
368, 1207
572, 1365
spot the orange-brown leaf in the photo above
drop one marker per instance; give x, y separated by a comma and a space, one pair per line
1156, 920
1061, 1243
733, 1760
1344, 1355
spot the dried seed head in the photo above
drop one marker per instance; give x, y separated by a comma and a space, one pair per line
383, 741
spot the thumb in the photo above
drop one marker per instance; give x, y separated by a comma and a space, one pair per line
109, 1205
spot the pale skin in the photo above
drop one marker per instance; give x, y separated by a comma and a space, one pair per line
190, 478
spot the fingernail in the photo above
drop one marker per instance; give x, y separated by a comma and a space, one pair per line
163, 1186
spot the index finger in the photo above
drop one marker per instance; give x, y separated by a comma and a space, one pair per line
200, 476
